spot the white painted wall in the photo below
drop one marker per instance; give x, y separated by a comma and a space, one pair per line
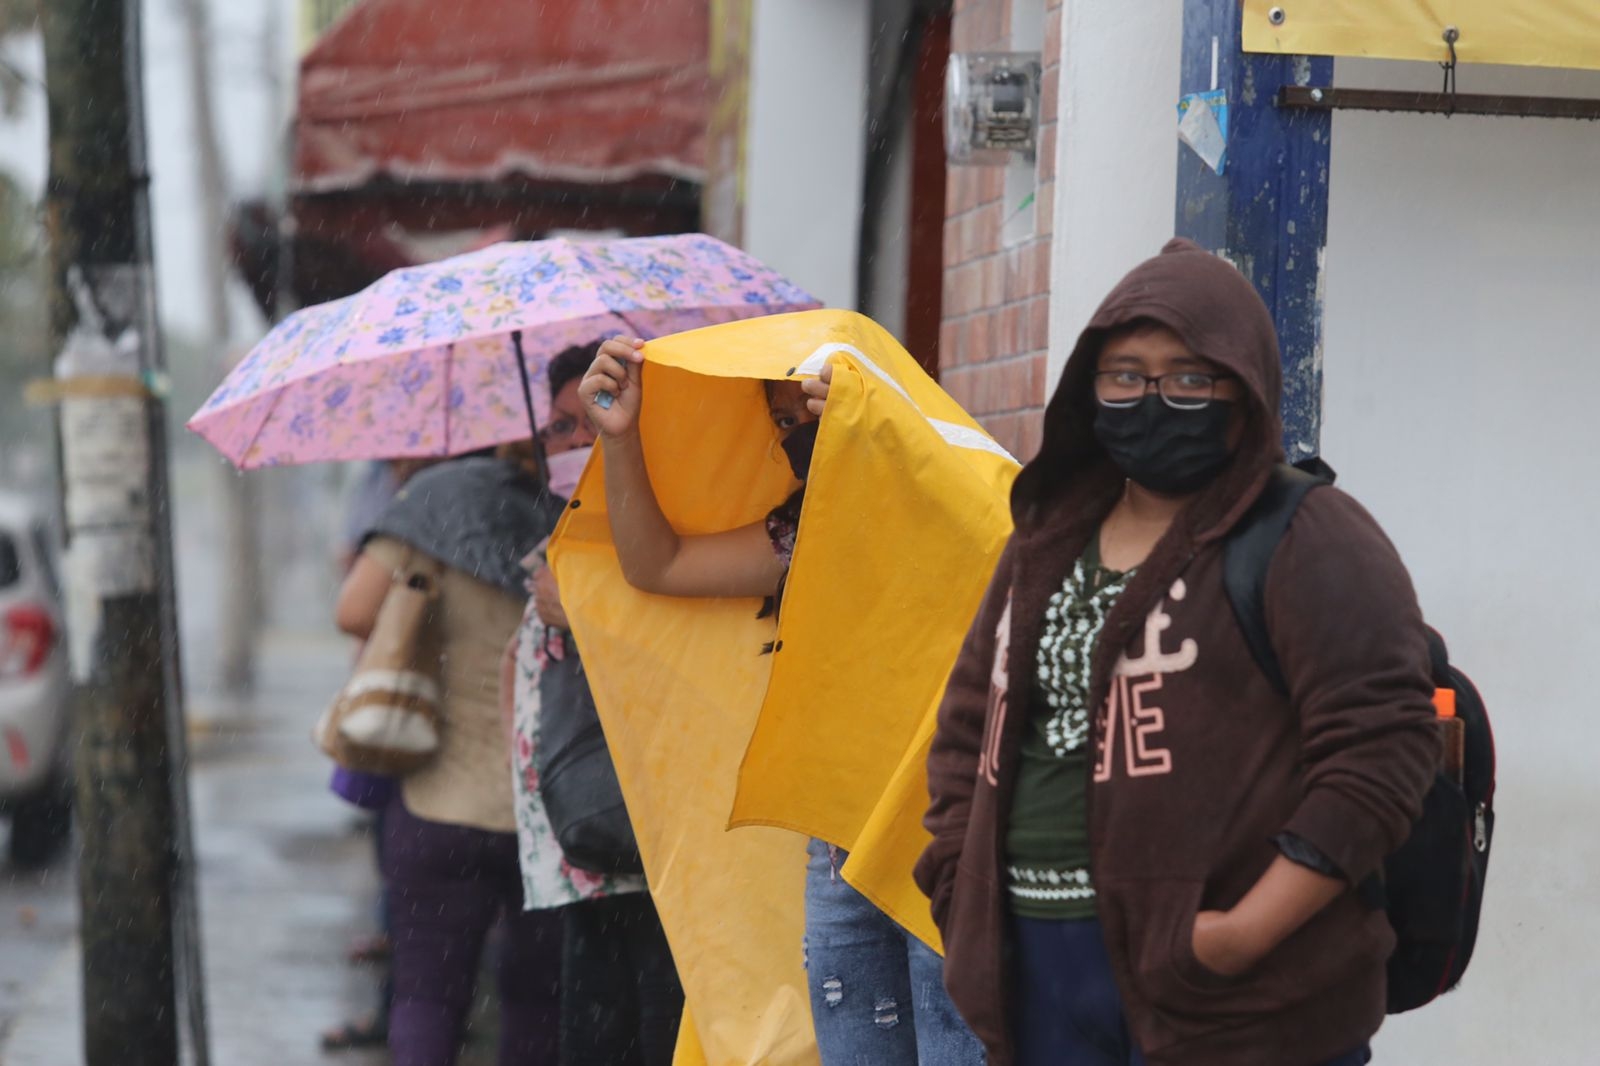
808, 76
1019, 209
1462, 406
1116, 153
890, 268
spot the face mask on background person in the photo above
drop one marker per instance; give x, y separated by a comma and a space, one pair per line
1169, 451
798, 446
566, 468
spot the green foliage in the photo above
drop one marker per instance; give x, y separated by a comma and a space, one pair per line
18, 16
19, 228
24, 321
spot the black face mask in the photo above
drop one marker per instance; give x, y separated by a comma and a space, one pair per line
1165, 450
798, 446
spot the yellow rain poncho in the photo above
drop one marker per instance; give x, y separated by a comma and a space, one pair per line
906, 512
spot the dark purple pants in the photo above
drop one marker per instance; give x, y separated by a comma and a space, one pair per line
448, 885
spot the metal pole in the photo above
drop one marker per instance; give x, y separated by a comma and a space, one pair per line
188, 944
131, 792
1266, 209
242, 599
1328, 98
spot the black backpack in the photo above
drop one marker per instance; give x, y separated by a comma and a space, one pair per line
1432, 887
577, 780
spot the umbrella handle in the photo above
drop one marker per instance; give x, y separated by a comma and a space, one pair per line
533, 422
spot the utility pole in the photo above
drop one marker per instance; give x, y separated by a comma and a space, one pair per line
110, 382
244, 593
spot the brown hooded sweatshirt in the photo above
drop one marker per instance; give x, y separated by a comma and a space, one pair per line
1199, 761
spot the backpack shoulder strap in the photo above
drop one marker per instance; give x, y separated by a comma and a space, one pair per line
1248, 552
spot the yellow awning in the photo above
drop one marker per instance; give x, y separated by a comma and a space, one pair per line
1529, 33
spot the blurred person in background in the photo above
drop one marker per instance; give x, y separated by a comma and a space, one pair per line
449, 848
368, 494
621, 998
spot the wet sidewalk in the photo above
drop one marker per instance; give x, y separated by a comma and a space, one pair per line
286, 882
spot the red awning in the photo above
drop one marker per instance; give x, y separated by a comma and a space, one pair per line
485, 90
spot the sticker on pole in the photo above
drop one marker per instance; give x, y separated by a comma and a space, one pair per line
106, 463
1203, 126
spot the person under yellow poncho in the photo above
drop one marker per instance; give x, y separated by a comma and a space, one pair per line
905, 514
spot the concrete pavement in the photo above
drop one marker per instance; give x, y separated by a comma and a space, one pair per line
286, 881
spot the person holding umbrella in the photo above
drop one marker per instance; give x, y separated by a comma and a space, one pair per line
877, 993
450, 847
440, 360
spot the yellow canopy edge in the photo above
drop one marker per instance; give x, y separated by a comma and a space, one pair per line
893, 839
905, 515
1550, 33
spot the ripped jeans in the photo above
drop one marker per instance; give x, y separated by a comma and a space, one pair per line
877, 992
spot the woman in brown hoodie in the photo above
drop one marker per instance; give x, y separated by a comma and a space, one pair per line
1141, 851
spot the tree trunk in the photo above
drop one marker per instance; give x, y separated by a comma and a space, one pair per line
241, 589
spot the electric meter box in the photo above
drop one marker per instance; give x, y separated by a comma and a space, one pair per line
991, 102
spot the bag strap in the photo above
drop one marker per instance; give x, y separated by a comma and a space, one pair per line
1248, 553
430, 569
1245, 557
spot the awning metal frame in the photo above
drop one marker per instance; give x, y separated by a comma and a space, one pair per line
1328, 98
1449, 102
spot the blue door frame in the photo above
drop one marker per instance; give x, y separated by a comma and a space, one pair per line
1268, 211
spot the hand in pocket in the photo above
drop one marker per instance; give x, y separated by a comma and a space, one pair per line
1221, 946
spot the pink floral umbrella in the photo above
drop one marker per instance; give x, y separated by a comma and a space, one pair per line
450, 357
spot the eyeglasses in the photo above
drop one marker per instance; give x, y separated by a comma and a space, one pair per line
1182, 391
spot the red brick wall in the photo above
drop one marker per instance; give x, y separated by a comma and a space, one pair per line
995, 329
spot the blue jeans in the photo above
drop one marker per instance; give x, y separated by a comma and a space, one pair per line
1068, 1009
877, 993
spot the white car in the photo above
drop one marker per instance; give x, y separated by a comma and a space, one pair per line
35, 687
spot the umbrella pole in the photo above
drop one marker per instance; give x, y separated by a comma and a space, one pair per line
527, 401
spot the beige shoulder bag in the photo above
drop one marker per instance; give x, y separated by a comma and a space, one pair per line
386, 718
